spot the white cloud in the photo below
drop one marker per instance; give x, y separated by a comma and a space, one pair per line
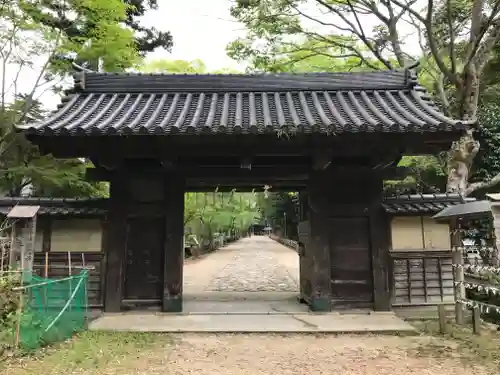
201, 29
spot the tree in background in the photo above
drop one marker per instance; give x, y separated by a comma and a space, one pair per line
32, 48
80, 20
179, 67
457, 43
173, 66
213, 215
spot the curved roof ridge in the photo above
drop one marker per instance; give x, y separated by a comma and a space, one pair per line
96, 82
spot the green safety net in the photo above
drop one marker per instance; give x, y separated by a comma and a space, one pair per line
53, 310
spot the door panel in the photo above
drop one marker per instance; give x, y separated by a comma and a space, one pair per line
144, 258
351, 266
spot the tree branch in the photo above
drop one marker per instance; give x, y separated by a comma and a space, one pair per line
433, 46
359, 33
482, 185
451, 31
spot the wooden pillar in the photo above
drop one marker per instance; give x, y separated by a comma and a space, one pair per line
318, 245
115, 243
174, 243
304, 261
458, 271
46, 226
379, 233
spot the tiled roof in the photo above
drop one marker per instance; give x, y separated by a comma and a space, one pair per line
385, 101
421, 203
400, 204
57, 206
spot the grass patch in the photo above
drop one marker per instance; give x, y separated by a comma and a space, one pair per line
86, 351
460, 341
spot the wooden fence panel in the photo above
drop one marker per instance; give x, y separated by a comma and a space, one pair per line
422, 278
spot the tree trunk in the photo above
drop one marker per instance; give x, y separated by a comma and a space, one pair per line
459, 163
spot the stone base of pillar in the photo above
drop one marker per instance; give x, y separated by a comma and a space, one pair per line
172, 305
320, 304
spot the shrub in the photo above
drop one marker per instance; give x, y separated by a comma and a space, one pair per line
9, 304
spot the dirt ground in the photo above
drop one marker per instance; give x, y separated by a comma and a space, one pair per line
146, 354
306, 354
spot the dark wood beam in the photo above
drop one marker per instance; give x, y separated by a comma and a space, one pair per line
229, 176
108, 162
292, 173
244, 189
322, 158
166, 147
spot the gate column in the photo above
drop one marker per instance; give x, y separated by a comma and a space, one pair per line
174, 243
318, 248
115, 243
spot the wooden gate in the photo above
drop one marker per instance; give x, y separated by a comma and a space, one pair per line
144, 260
351, 265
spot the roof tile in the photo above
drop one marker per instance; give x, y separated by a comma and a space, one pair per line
57, 206
113, 104
421, 203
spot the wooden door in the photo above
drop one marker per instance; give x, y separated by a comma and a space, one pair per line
351, 265
144, 259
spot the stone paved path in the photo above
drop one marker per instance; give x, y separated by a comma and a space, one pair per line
254, 264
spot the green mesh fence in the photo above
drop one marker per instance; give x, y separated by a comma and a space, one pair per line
53, 310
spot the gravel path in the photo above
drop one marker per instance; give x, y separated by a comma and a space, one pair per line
308, 355
255, 264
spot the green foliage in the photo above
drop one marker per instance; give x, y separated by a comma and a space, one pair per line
42, 37
22, 164
427, 175
173, 66
9, 304
179, 66
209, 215
280, 210
488, 160
108, 28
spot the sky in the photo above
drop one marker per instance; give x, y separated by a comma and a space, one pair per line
201, 30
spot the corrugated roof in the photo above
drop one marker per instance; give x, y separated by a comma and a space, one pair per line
113, 104
470, 209
56, 206
421, 203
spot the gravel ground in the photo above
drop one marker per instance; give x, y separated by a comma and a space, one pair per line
306, 354
255, 264
147, 354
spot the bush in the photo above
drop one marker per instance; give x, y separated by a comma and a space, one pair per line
9, 304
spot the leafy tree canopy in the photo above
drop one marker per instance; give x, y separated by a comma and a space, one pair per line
30, 53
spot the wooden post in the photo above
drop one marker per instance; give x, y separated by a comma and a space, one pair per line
476, 320
319, 246
70, 273
174, 238
85, 291
379, 223
46, 266
115, 243
304, 234
458, 262
442, 318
